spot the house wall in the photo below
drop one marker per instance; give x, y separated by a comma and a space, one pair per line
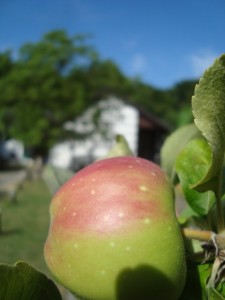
115, 118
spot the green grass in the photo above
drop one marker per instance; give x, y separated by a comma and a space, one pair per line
25, 226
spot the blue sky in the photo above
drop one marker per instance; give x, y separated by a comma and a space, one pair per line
163, 42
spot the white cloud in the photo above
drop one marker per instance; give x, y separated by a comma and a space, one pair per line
201, 61
138, 63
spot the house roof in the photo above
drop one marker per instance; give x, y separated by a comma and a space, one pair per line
149, 120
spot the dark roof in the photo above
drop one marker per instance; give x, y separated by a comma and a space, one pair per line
151, 121
148, 119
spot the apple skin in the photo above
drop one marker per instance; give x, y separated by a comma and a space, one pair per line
114, 233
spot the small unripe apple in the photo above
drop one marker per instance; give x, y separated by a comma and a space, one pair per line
114, 233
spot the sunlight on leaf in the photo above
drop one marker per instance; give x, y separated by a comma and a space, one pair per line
174, 144
191, 165
208, 105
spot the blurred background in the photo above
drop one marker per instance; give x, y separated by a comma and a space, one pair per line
75, 73
59, 60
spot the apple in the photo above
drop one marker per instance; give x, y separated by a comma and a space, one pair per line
114, 233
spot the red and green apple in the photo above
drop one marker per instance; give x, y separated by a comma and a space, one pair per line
114, 233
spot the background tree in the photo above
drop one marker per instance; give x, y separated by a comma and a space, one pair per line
6, 65
54, 80
101, 79
181, 94
36, 96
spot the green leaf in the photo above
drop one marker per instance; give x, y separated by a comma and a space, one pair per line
186, 214
214, 295
55, 177
195, 286
121, 148
22, 282
208, 105
174, 144
191, 165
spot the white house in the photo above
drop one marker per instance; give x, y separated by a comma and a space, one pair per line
115, 117
101, 123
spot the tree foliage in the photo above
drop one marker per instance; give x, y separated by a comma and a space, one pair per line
54, 80
36, 95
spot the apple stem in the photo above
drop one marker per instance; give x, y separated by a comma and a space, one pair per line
218, 240
197, 234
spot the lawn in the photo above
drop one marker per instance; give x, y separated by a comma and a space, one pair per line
25, 226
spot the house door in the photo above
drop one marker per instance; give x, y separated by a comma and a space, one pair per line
146, 143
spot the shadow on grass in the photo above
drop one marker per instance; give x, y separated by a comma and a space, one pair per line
144, 283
